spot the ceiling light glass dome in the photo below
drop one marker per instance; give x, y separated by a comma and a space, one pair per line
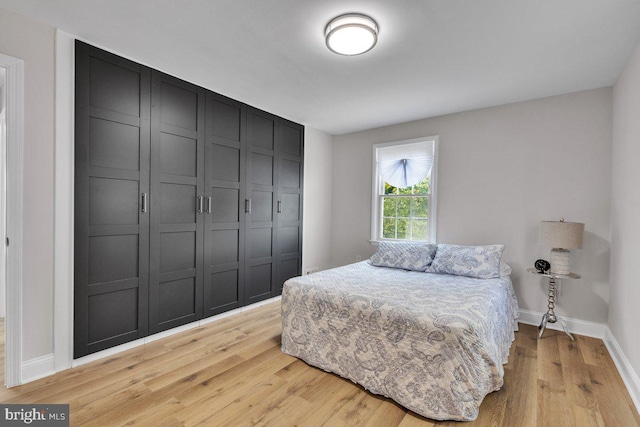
351, 34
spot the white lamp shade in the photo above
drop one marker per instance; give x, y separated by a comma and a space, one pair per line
560, 234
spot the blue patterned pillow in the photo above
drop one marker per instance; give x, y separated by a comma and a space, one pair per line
416, 256
481, 262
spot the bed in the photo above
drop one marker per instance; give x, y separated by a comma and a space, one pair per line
434, 343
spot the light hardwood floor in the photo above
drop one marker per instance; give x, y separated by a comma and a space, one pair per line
232, 372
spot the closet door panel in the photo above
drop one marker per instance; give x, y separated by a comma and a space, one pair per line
114, 145
262, 130
261, 179
290, 174
261, 281
112, 172
115, 83
261, 208
288, 240
176, 299
177, 203
226, 289
226, 249
225, 187
290, 207
261, 244
225, 205
226, 163
178, 155
113, 258
291, 139
178, 252
113, 201
113, 314
227, 119
262, 169
289, 202
178, 102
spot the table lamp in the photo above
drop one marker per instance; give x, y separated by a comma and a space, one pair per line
561, 236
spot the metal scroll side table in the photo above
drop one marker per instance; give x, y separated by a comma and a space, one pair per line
550, 315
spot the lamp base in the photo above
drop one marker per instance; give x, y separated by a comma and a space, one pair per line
560, 261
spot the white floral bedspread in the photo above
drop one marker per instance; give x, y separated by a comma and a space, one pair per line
433, 343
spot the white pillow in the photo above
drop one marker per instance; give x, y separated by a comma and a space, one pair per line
415, 256
481, 262
505, 269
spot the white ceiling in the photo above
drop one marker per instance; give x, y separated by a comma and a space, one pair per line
433, 57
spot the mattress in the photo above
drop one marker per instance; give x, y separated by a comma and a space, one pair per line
434, 343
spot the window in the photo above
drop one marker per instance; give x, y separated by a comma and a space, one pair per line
404, 189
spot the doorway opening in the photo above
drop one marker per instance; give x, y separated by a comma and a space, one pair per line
11, 166
3, 223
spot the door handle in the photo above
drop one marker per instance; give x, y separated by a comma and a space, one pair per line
209, 204
144, 202
200, 204
279, 206
247, 206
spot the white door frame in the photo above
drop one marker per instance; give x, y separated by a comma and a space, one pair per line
15, 131
63, 197
3, 203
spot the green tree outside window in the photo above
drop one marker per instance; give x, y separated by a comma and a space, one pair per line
405, 211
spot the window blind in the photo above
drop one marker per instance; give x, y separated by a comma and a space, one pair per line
405, 165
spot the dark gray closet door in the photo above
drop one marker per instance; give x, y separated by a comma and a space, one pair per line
260, 206
290, 151
177, 202
225, 195
111, 176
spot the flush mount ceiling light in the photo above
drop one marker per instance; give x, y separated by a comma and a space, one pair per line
351, 34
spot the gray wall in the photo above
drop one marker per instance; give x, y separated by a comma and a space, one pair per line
33, 42
316, 227
501, 171
624, 316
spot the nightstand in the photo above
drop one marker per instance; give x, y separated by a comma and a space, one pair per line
550, 315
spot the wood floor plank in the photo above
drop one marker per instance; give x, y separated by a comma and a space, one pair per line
106, 404
521, 390
232, 372
553, 408
576, 377
389, 411
241, 405
328, 397
549, 363
594, 352
159, 416
613, 410
413, 420
355, 411
492, 409
587, 418
242, 376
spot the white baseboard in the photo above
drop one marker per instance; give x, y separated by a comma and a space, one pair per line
628, 374
37, 368
580, 327
146, 340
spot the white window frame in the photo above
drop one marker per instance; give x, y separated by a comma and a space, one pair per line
377, 185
